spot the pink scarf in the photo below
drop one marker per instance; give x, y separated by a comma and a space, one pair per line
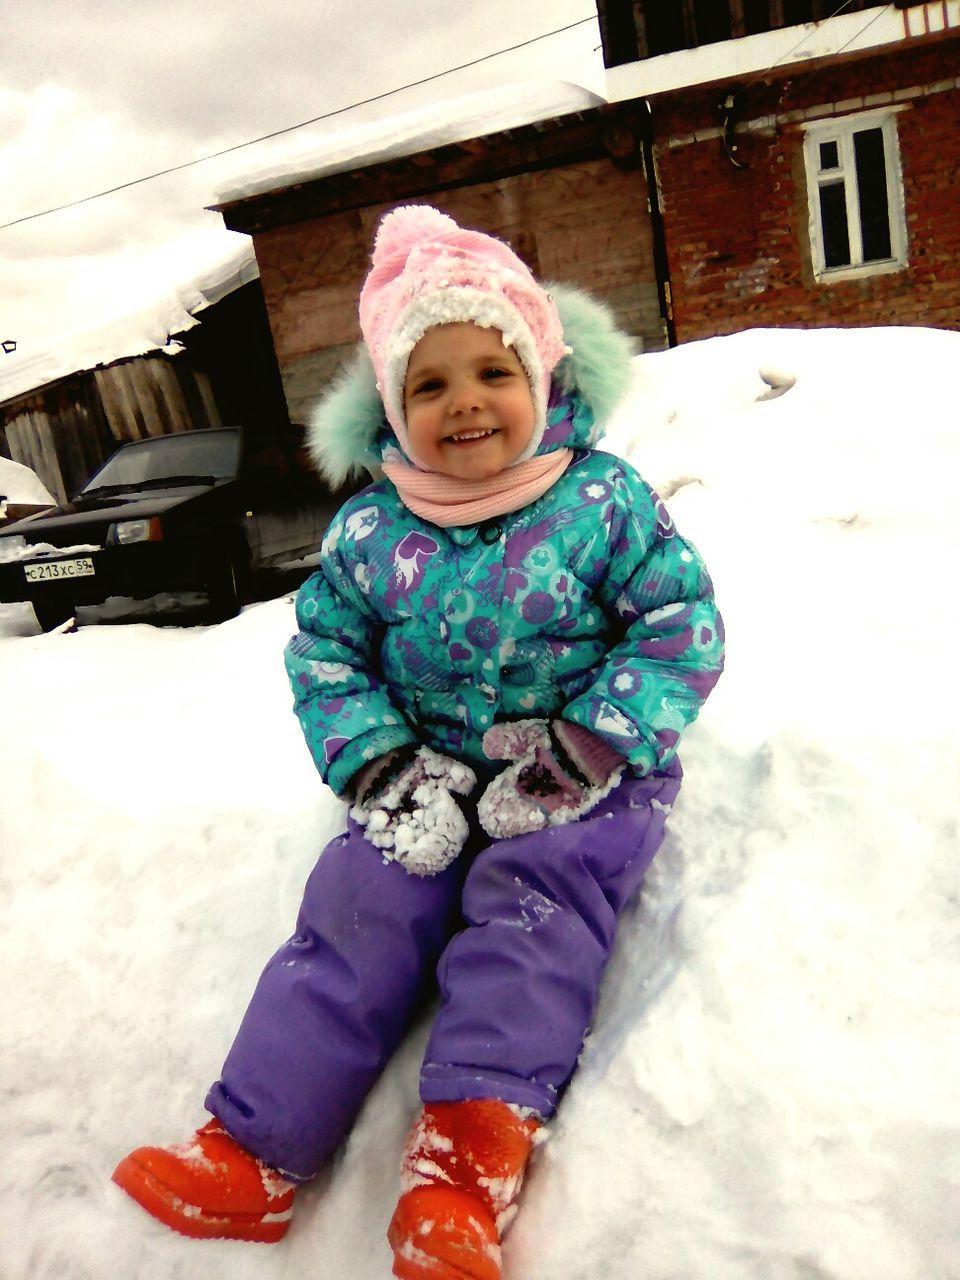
446, 501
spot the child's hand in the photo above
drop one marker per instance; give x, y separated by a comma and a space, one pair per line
559, 772
409, 813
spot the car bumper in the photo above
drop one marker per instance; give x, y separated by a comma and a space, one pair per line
140, 570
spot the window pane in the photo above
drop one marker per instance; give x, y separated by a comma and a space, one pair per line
872, 189
829, 156
833, 221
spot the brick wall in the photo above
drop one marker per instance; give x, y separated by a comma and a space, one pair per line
585, 223
738, 239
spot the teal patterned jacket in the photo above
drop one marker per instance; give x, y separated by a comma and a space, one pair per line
585, 604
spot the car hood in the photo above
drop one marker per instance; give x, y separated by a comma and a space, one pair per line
97, 513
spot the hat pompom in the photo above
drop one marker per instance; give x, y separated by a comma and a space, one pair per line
407, 226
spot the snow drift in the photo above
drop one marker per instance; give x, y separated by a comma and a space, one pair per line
770, 1088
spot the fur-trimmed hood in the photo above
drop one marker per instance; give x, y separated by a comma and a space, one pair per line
348, 432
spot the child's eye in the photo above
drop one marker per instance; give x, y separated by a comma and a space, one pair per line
495, 372
426, 386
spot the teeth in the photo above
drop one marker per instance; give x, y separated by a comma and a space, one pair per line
472, 435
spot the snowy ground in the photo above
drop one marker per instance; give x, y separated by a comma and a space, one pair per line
770, 1091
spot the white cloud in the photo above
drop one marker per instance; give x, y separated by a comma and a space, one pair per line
95, 95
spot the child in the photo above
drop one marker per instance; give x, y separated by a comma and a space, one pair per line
495, 662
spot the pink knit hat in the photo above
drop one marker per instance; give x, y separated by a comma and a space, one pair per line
427, 271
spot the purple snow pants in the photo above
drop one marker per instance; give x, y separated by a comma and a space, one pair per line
518, 932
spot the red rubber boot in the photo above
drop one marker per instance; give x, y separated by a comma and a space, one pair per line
209, 1188
462, 1172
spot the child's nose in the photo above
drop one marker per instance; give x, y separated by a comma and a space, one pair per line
465, 397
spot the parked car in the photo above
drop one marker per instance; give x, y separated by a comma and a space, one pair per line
198, 510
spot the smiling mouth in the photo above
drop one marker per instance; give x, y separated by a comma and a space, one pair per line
470, 437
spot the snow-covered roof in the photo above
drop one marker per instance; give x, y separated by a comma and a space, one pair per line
315, 153
310, 154
152, 325
153, 321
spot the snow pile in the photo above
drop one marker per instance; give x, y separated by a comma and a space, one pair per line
16, 547
770, 1089
19, 484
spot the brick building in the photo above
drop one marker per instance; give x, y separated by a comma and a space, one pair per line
747, 163
750, 163
566, 188
817, 188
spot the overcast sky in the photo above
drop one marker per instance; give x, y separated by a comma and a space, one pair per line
93, 95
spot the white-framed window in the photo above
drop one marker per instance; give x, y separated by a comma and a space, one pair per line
855, 193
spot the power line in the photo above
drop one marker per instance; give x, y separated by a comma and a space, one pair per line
803, 38
879, 14
277, 133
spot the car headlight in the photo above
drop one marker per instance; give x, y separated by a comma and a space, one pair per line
126, 531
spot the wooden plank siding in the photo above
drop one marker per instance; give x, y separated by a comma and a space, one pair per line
59, 431
632, 29
148, 397
225, 372
64, 431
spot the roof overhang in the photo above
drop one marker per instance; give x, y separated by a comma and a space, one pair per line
774, 53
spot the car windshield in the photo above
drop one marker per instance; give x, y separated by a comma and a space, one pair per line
206, 456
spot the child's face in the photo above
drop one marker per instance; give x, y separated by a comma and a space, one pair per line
467, 402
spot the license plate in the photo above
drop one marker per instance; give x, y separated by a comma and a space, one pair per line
55, 570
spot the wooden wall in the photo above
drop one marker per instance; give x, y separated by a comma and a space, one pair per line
632, 29
226, 373
59, 431
586, 224
154, 396
65, 430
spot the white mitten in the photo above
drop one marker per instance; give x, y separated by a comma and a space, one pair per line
410, 815
557, 773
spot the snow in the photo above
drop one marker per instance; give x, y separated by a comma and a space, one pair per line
414, 819
770, 1088
21, 485
144, 310
16, 547
163, 307
317, 153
